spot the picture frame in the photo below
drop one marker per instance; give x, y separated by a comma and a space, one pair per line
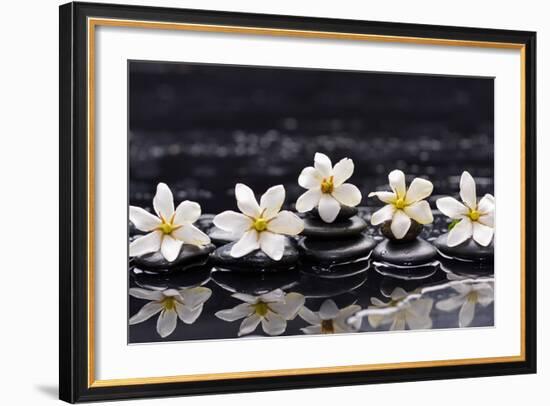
79, 163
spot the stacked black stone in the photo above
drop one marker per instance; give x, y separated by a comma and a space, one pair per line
468, 258
409, 255
340, 241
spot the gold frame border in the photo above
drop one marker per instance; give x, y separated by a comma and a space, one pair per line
94, 22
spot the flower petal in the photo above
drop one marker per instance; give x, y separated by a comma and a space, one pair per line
451, 207
309, 316
342, 319
163, 202
396, 179
310, 178
420, 212
386, 197
187, 212
190, 234
466, 313
193, 297
398, 293
400, 224
487, 219
308, 200
236, 223
468, 190
460, 232
249, 324
146, 244
292, 304
482, 233
486, 204
142, 219
342, 171
275, 296
419, 322
236, 313
328, 208
323, 165
146, 294
421, 308
246, 201
170, 248
272, 244
166, 323
272, 201
273, 324
245, 297
328, 310
312, 329
382, 215
347, 194
398, 322
146, 312
418, 189
188, 314
287, 223
246, 244
485, 294
450, 304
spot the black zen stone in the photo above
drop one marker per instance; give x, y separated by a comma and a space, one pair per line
188, 253
413, 253
469, 250
220, 237
345, 212
414, 230
317, 228
330, 251
256, 260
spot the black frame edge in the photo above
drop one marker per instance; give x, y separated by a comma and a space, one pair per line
73, 368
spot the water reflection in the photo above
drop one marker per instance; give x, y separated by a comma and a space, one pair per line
355, 296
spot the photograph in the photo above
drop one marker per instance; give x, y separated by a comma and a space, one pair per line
270, 201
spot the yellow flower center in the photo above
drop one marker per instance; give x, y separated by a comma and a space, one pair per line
261, 308
400, 203
260, 224
327, 327
167, 226
169, 303
474, 215
327, 185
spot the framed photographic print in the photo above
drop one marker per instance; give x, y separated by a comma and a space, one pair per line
256, 202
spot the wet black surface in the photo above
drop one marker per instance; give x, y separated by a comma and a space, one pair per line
201, 129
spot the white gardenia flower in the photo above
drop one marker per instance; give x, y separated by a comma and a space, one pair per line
475, 219
272, 309
329, 319
468, 296
259, 226
185, 304
169, 229
414, 313
402, 205
326, 187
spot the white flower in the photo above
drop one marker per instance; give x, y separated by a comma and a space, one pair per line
474, 219
329, 319
414, 313
468, 296
259, 226
169, 229
326, 187
272, 309
404, 205
185, 304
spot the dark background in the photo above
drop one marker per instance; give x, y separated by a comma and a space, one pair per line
203, 128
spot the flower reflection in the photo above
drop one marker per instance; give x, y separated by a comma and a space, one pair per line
329, 319
169, 229
401, 313
271, 309
185, 304
468, 296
